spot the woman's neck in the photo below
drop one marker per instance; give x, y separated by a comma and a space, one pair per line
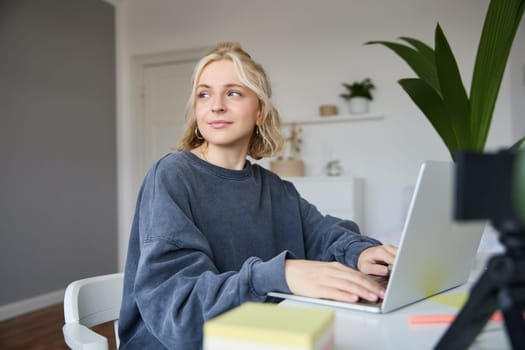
224, 157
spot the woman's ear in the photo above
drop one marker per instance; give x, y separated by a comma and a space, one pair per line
259, 119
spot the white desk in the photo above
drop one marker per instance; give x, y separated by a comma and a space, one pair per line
362, 330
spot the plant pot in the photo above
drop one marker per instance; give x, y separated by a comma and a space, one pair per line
359, 105
287, 167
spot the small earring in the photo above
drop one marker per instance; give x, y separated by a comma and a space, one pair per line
257, 133
198, 134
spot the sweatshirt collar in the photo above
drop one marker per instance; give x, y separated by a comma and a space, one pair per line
217, 170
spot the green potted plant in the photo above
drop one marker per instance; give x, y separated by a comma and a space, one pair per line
461, 121
359, 94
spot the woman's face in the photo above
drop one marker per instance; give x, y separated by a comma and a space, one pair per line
225, 109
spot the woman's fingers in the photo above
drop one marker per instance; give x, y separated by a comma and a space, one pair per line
376, 269
355, 282
339, 295
330, 280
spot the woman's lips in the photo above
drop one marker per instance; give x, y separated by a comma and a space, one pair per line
219, 124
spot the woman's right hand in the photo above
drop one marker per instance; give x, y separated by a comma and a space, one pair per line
330, 280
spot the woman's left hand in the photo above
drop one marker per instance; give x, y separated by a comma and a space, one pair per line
375, 260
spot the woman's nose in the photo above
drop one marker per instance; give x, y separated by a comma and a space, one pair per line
218, 105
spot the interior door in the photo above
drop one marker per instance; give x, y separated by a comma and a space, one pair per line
166, 88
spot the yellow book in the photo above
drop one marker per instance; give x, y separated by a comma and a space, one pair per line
270, 327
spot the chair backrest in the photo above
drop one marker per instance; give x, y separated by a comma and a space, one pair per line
90, 302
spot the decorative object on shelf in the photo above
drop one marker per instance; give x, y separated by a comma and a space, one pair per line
327, 110
463, 123
287, 167
334, 168
289, 163
359, 95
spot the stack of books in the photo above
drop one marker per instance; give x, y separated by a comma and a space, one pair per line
259, 326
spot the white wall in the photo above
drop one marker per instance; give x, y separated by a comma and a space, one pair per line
308, 48
517, 85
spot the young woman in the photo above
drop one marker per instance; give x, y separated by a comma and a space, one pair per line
212, 230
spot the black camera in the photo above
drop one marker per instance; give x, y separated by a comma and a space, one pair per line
484, 188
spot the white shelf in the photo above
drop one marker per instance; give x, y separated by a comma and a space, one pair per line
336, 119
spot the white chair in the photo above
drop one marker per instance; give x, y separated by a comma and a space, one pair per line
90, 302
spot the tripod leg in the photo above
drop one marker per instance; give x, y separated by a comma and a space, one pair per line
475, 314
512, 311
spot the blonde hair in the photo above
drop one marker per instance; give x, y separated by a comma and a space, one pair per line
267, 139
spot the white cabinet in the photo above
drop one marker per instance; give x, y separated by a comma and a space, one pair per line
340, 196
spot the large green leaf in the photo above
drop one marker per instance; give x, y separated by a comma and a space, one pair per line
499, 29
426, 51
454, 94
418, 61
431, 104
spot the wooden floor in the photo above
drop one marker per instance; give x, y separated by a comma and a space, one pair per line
42, 330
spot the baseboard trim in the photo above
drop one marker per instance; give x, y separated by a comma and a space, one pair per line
21, 307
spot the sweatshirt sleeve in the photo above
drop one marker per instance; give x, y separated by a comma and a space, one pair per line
328, 238
177, 285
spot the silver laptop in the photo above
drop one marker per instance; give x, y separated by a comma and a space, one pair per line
435, 253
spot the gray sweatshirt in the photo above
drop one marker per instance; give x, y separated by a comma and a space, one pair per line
206, 239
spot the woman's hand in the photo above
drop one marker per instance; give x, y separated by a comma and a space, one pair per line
375, 260
331, 280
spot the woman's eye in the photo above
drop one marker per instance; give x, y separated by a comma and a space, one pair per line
234, 93
202, 95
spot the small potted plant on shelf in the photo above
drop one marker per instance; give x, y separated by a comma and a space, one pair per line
359, 94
